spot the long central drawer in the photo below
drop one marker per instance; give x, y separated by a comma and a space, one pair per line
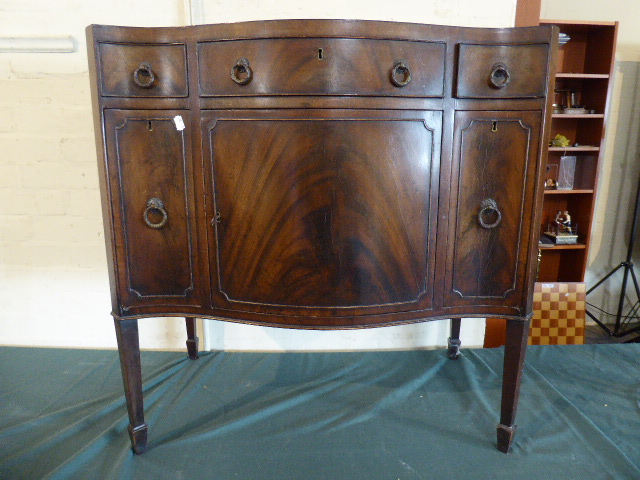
321, 66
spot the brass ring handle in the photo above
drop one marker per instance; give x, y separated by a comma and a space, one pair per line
155, 204
489, 207
400, 73
500, 75
241, 72
144, 76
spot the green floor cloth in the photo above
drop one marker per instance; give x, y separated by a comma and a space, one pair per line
366, 415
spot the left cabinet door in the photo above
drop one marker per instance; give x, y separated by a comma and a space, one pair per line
152, 208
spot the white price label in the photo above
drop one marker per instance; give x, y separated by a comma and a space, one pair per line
179, 123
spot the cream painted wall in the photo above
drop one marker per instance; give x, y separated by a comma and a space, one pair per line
620, 169
53, 275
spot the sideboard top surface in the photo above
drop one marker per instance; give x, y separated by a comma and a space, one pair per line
324, 28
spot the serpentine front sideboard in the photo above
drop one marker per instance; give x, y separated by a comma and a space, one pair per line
321, 174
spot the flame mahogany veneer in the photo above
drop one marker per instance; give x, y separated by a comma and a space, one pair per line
321, 174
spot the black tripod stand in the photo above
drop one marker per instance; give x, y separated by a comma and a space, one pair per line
624, 324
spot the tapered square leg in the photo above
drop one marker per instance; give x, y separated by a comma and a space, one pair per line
192, 339
138, 437
506, 435
129, 350
454, 339
514, 353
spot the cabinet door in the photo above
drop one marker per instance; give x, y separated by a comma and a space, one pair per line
148, 173
493, 189
321, 213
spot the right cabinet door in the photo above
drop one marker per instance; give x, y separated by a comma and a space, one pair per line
493, 190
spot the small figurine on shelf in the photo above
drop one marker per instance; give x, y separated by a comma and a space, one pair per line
563, 222
575, 108
551, 183
561, 230
559, 141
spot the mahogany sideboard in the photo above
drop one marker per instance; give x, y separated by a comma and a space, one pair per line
321, 174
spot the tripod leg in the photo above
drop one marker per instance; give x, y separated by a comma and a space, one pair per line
635, 283
628, 266
625, 278
604, 279
633, 313
597, 320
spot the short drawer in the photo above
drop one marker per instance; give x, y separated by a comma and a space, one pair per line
321, 66
501, 71
128, 70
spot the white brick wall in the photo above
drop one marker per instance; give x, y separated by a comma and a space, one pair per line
53, 277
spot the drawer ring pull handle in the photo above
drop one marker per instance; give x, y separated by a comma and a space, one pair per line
400, 73
144, 76
500, 75
489, 207
241, 68
155, 204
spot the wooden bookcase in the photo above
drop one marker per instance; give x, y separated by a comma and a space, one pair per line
585, 66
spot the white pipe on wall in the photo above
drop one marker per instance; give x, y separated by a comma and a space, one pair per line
65, 44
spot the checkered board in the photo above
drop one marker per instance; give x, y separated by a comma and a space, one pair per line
558, 314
